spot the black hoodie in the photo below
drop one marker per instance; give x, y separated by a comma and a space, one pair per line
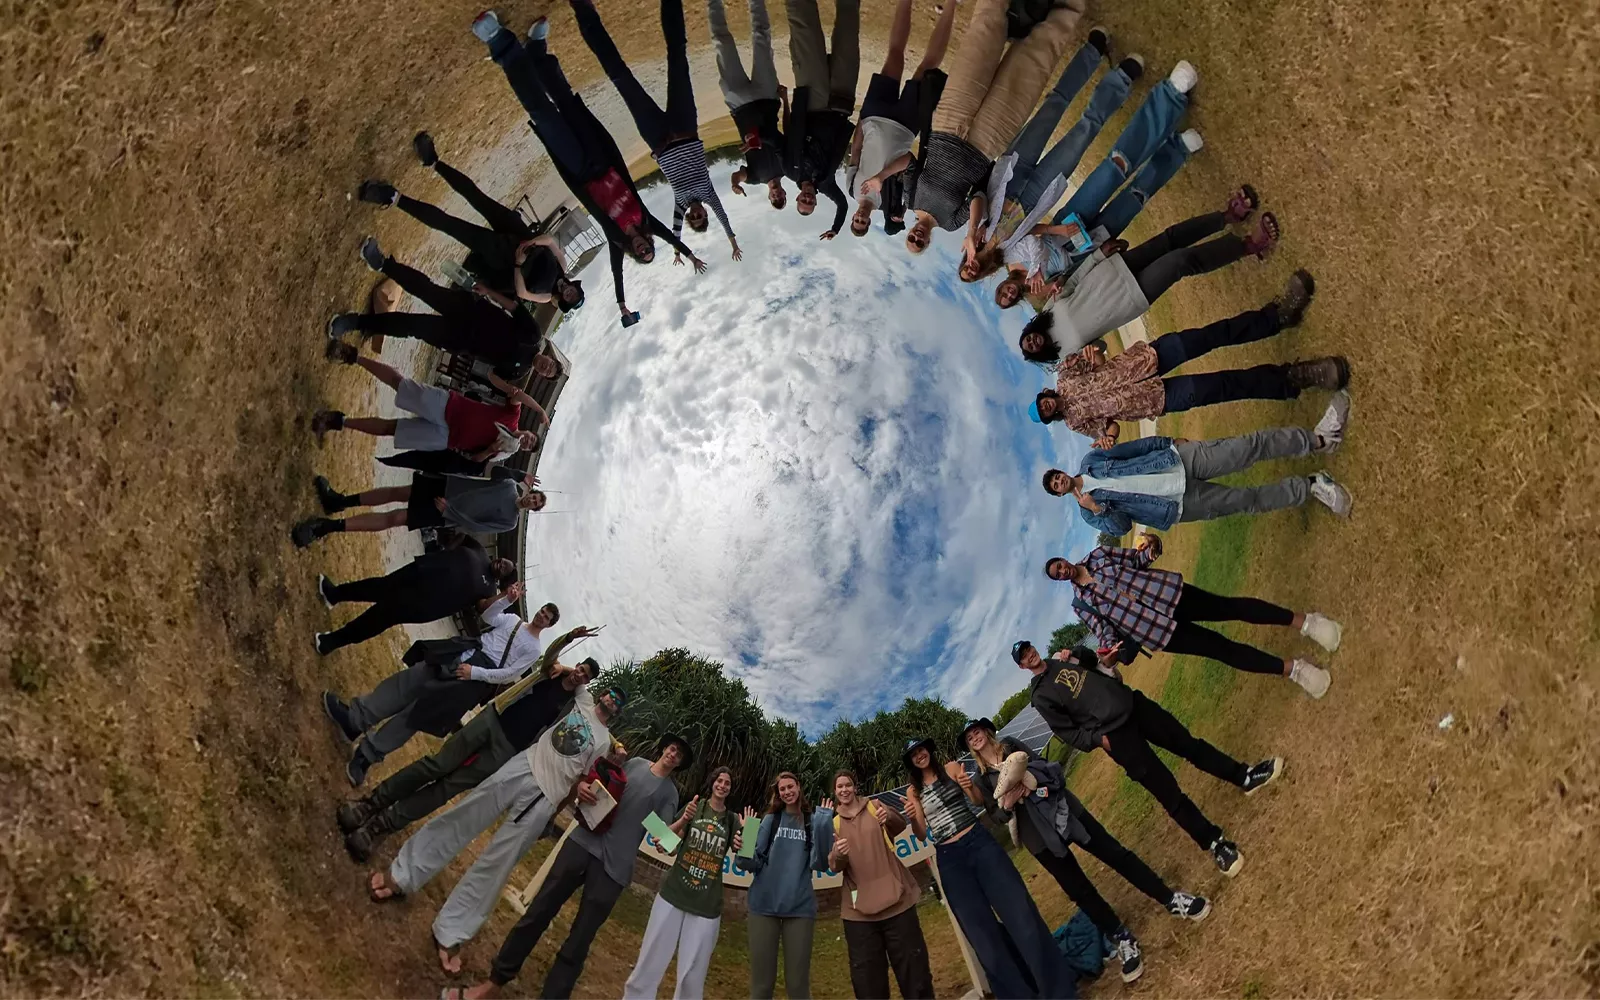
1080, 701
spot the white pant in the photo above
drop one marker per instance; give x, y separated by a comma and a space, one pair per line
672, 930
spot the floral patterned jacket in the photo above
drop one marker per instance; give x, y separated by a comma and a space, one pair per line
1123, 388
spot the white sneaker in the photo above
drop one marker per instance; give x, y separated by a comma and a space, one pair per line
1191, 140
1330, 429
323, 585
1184, 76
1313, 678
1322, 630
1335, 497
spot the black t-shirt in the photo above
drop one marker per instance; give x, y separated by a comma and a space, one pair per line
758, 123
540, 270
524, 719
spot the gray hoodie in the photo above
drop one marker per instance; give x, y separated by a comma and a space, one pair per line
480, 506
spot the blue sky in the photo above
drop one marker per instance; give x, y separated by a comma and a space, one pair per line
814, 465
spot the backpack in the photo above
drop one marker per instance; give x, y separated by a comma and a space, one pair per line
1082, 945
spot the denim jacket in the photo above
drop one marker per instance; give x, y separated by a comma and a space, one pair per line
1121, 510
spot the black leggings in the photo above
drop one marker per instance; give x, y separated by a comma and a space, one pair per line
1196, 605
443, 462
465, 324
392, 604
1070, 876
1151, 725
493, 248
1165, 259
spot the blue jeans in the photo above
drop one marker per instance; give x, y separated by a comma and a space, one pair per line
1035, 168
656, 125
1156, 119
1162, 167
982, 885
536, 78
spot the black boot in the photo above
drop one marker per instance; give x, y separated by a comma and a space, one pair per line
352, 816
1296, 299
1321, 373
324, 421
422, 145
313, 528
360, 843
331, 499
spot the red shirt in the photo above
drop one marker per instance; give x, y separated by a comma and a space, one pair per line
615, 198
472, 424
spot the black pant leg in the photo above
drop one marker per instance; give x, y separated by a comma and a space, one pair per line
1069, 875
1197, 605
438, 298
1123, 861
1186, 262
681, 113
1159, 727
566, 877
372, 622
869, 961
1189, 392
502, 220
443, 332
442, 462
600, 894
1172, 238
1245, 328
1189, 639
470, 235
1129, 749
370, 590
908, 955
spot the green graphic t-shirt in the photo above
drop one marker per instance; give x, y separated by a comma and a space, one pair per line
694, 883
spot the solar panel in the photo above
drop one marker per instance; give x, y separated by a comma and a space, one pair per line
1028, 728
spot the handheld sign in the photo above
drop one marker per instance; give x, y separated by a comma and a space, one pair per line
752, 829
657, 827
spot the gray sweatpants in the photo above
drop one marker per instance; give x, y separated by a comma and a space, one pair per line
1207, 460
834, 74
738, 87
796, 934
510, 790
386, 707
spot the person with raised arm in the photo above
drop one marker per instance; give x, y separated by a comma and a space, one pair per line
792, 844
817, 127
686, 917
989, 899
756, 100
460, 503
878, 903
580, 148
600, 862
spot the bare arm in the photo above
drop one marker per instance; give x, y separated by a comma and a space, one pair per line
518, 396
737, 181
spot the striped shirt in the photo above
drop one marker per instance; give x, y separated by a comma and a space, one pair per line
946, 808
684, 167
1128, 598
942, 181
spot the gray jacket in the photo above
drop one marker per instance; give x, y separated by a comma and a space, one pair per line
479, 506
1052, 815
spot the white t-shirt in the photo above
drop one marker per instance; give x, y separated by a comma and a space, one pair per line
504, 627
882, 139
565, 752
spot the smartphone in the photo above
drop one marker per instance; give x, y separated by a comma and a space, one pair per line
630, 319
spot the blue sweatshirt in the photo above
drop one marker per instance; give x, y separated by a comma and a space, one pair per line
781, 886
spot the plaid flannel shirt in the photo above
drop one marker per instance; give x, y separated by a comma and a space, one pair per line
1127, 596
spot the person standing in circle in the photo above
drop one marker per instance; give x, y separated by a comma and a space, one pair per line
792, 843
879, 900
989, 899
686, 916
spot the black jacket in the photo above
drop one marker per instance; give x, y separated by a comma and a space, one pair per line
815, 144
1051, 815
1079, 701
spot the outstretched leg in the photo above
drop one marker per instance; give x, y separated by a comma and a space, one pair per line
648, 117
894, 62
1155, 120
1031, 141
500, 218
681, 116
938, 42
1169, 158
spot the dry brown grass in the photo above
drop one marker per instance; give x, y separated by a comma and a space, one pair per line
172, 194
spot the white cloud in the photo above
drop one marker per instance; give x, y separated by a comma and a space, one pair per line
814, 465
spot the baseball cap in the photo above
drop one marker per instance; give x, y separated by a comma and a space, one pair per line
1019, 649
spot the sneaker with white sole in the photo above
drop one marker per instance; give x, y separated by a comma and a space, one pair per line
1184, 76
317, 640
1330, 429
1322, 630
1330, 494
1191, 140
485, 26
1225, 853
1187, 906
1126, 949
1259, 776
1311, 677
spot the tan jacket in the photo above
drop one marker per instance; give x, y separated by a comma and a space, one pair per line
876, 885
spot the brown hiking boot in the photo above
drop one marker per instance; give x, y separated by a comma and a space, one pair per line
1296, 298
360, 843
353, 816
324, 421
1331, 373
341, 352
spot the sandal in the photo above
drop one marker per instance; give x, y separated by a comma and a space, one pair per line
453, 993
1264, 238
379, 881
1241, 204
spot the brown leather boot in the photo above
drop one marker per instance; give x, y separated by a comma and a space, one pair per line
1320, 373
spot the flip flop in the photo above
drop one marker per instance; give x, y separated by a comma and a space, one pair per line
380, 880
1242, 204
1264, 238
445, 954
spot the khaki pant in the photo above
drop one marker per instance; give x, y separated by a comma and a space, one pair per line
831, 78
992, 90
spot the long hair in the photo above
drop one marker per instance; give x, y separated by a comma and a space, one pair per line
991, 747
914, 773
711, 779
1042, 324
775, 803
